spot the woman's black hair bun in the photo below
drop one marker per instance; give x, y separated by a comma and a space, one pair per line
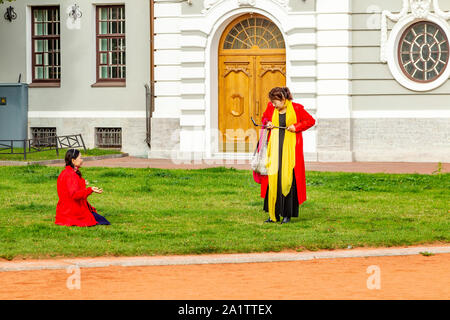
287, 93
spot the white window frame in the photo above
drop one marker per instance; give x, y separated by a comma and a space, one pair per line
392, 54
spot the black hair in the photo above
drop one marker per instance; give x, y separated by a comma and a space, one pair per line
280, 93
72, 154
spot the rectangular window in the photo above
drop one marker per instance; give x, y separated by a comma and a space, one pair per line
111, 44
108, 137
46, 54
44, 137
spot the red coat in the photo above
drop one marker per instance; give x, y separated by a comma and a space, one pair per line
72, 208
304, 122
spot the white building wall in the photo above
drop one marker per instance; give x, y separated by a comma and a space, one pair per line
186, 60
391, 122
332, 63
92, 106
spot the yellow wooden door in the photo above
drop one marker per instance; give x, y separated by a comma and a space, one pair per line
271, 72
236, 94
251, 62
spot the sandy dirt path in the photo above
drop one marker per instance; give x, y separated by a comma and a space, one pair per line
401, 277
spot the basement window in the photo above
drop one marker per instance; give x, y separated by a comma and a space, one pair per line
108, 138
44, 137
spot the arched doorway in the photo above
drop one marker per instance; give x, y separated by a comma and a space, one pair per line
252, 60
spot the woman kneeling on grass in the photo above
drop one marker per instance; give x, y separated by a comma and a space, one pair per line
73, 209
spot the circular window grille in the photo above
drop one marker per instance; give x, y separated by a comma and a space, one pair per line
423, 52
254, 31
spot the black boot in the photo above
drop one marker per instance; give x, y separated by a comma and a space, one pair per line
286, 220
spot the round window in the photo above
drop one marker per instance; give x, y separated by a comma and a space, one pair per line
423, 52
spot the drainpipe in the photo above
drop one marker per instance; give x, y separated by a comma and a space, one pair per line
150, 90
149, 113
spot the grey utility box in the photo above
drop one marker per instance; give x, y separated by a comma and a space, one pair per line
13, 111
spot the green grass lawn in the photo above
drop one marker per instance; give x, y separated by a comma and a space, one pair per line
155, 211
51, 154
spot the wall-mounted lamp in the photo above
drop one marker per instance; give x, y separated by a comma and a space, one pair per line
10, 14
75, 12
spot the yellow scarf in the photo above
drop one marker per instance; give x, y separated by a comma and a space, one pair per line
288, 161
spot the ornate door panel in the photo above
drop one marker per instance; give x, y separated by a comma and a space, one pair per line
235, 97
271, 72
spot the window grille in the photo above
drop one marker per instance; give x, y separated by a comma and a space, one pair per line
423, 52
111, 48
254, 31
44, 137
108, 137
45, 33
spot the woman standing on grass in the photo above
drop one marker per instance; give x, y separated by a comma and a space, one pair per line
284, 188
73, 209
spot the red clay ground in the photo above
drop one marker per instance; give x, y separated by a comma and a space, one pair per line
402, 277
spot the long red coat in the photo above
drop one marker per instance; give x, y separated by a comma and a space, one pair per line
72, 208
304, 122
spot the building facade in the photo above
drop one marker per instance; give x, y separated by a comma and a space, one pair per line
59, 58
374, 74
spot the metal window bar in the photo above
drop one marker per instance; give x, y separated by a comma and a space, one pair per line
108, 137
44, 137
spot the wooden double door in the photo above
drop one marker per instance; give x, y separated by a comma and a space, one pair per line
246, 75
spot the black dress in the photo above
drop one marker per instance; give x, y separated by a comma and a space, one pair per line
285, 207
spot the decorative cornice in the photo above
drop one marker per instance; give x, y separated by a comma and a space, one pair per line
246, 3
272, 66
419, 9
283, 3
236, 66
208, 4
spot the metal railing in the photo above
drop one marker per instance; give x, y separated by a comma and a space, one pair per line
28, 146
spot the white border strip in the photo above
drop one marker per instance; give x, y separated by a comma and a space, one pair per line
102, 262
86, 114
427, 114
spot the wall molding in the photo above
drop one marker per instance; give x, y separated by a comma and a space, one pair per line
208, 4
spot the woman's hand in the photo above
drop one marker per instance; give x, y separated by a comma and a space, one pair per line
291, 128
269, 125
97, 190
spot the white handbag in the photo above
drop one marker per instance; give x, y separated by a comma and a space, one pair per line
258, 162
